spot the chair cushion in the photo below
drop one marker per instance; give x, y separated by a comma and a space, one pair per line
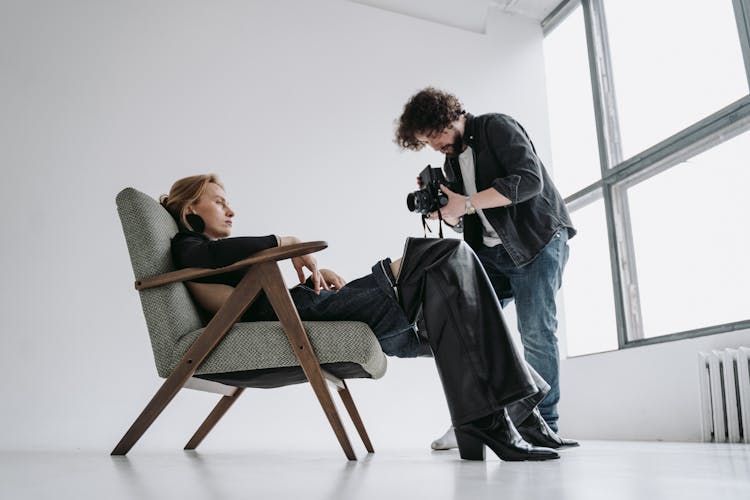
263, 344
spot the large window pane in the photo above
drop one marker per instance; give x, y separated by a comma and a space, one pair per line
588, 298
691, 232
575, 158
674, 62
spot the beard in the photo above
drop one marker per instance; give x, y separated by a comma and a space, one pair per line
456, 147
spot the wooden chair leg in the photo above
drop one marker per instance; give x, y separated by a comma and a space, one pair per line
213, 418
346, 397
278, 296
153, 409
222, 322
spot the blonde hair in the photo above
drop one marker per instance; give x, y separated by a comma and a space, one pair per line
184, 193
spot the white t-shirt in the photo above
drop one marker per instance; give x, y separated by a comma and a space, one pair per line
466, 161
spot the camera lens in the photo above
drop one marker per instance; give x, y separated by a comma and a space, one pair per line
410, 202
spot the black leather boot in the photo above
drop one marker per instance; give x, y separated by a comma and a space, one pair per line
536, 431
501, 436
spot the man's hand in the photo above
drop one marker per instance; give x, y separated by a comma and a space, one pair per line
309, 262
334, 281
450, 220
455, 208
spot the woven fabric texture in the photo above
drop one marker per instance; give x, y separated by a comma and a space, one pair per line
169, 310
263, 344
174, 323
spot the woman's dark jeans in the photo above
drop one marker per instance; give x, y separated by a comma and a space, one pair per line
370, 299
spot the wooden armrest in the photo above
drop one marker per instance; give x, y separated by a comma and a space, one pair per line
191, 273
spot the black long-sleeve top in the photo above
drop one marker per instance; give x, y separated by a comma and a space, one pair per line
190, 249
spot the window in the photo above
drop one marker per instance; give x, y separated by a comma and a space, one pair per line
571, 107
691, 235
589, 305
673, 62
664, 228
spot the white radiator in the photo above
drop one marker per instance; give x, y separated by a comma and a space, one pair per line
725, 395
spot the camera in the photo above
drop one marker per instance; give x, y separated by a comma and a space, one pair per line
429, 198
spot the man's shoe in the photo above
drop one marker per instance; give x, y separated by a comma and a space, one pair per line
445, 442
501, 436
536, 431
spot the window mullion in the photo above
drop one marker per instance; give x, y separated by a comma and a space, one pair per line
602, 85
622, 255
742, 16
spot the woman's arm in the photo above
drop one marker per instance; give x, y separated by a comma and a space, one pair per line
191, 250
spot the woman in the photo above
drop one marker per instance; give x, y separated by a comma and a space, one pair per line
438, 283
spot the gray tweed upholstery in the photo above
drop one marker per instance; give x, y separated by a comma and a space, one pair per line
174, 323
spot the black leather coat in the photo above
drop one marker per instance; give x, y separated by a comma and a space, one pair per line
442, 282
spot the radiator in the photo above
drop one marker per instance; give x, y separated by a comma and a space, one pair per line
725, 395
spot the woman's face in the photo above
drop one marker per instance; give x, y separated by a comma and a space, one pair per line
212, 207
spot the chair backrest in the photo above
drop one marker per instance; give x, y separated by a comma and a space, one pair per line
170, 312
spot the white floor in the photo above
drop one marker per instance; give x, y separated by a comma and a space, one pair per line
597, 470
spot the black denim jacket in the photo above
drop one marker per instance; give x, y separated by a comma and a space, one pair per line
505, 159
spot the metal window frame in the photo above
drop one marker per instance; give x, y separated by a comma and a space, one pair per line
619, 231
618, 175
742, 17
558, 15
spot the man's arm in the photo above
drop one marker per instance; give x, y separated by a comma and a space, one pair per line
456, 207
489, 198
512, 147
514, 150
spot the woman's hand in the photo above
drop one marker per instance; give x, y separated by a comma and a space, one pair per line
334, 281
320, 277
309, 262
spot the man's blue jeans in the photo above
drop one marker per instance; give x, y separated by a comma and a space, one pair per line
533, 287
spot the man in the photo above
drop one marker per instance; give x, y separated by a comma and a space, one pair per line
509, 211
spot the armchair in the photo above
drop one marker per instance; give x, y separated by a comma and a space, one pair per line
226, 356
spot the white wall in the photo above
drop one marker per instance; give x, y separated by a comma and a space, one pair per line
292, 103
644, 393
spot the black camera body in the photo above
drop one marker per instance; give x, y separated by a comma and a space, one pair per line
429, 198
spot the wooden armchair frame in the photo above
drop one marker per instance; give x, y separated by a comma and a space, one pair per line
263, 274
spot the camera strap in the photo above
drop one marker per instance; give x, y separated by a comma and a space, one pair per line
426, 227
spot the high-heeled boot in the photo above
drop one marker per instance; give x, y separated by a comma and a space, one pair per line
536, 431
499, 434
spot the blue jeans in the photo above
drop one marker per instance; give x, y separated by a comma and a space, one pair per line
533, 287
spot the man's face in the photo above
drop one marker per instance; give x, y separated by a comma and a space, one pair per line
448, 141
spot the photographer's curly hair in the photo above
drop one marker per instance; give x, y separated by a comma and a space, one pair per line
428, 111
